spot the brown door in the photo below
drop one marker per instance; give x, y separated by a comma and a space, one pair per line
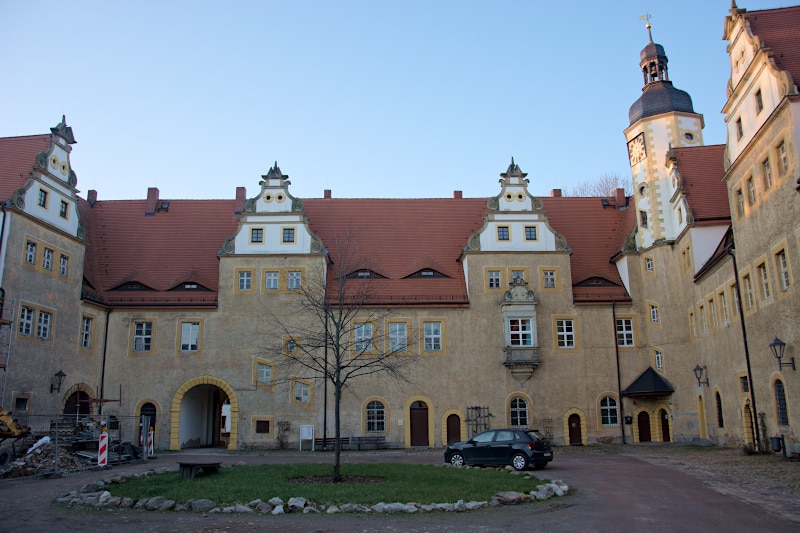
574, 423
419, 424
644, 427
77, 404
453, 429
662, 414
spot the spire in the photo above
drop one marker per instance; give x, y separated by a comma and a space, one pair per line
64, 131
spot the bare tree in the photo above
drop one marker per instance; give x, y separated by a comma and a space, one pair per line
338, 323
605, 185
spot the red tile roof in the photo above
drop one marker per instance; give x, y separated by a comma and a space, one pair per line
780, 30
17, 159
701, 169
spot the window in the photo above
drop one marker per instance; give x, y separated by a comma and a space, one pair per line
47, 259
565, 333
290, 346
609, 411
654, 314
739, 128
62, 209
288, 235
432, 333
142, 336
763, 277
702, 317
362, 337
42, 201
301, 392
783, 159
520, 332
712, 310
625, 332
30, 252
264, 373
518, 274
680, 216
723, 307
86, 332
744, 384
26, 315
502, 233
43, 327
518, 412
398, 337
751, 191
530, 233
748, 291
245, 280
735, 292
692, 324
739, 202
718, 401
376, 417
63, 266
759, 108
766, 171
643, 218
190, 335
294, 280
262, 426
271, 281
659, 357
257, 235
783, 270
493, 277
649, 266
780, 403
20, 404
549, 279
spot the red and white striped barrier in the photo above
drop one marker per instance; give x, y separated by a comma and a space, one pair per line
150, 450
102, 450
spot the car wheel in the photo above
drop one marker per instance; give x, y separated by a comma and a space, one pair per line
539, 466
519, 461
456, 459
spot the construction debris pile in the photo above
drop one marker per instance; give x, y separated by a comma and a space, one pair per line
41, 460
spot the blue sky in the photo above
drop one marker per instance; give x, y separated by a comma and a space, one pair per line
368, 98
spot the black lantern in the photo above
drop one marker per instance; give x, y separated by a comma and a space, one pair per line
778, 346
60, 375
698, 373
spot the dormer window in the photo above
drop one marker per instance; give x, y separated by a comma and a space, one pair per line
364, 274
426, 273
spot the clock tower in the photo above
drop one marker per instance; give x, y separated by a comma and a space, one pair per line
662, 118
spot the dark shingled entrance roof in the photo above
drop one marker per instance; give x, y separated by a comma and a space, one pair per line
649, 383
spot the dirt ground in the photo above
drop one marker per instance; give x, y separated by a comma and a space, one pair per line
614, 488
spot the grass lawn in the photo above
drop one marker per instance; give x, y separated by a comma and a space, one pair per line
370, 484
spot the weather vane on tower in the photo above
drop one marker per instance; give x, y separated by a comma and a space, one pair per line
647, 17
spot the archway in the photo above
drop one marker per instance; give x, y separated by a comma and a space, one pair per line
453, 428
196, 414
643, 423
78, 404
575, 433
150, 411
418, 418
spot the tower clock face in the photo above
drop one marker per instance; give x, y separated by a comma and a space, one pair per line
636, 149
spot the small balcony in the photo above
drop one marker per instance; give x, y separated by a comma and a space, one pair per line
521, 361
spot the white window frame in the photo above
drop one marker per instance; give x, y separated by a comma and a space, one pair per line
763, 275
398, 337
432, 336
30, 252
565, 333
659, 356
63, 265
654, 313
520, 332
301, 392
47, 259
264, 373
271, 280
44, 325
362, 337
549, 279
26, 317
494, 279
783, 270
375, 417
190, 336
86, 332
518, 412
609, 411
294, 280
625, 332
142, 336
245, 280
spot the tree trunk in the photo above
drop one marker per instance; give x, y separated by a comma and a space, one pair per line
337, 463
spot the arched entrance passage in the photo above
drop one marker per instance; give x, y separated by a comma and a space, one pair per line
663, 416
643, 423
78, 404
196, 414
149, 410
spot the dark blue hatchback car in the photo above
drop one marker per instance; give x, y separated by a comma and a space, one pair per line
519, 448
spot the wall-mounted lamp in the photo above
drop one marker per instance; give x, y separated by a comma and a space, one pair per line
777, 346
698, 373
60, 375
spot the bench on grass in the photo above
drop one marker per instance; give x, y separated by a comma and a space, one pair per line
188, 470
373, 440
331, 443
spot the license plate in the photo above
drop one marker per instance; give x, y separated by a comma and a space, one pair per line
548, 454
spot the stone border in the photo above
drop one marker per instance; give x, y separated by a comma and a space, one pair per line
94, 495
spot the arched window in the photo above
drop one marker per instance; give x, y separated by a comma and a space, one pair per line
376, 417
780, 404
609, 411
519, 412
720, 419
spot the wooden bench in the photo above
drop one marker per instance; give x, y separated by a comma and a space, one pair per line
188, 470
331, 443
377, 440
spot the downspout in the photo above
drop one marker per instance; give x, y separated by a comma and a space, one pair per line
619, 379
103, 367
2, 254
730, 251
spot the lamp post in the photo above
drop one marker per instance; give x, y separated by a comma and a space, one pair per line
698, 373
60, 375
777, 347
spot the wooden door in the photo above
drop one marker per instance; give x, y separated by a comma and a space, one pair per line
643, 421
664, 417
419, 424
453, 429
575, 436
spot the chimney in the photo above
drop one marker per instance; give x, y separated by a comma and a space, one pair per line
152, 201
327, 193
619, 197
555, 193
458, 194
238, 206
91, 197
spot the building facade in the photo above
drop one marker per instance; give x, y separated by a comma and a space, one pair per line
649, 317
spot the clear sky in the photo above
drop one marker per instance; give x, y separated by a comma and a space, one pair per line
411, 98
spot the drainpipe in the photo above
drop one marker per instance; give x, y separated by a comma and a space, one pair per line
103, 367
2, 290
619, 379
730, 251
